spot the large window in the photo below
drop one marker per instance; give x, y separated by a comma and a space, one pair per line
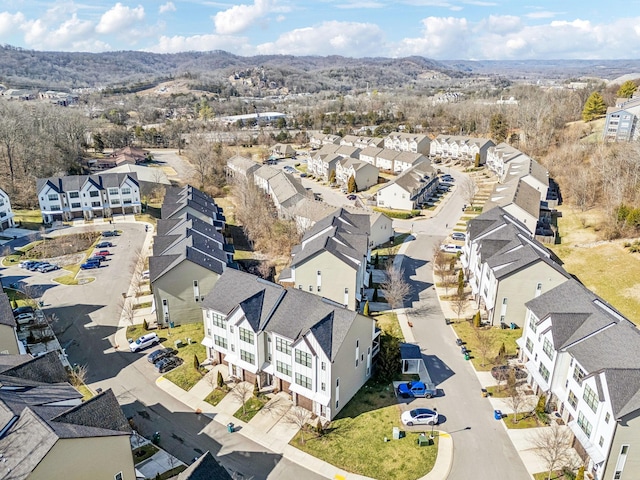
248, 357
544, 372
591, 398
573, 400
303, 381
126, 191
532, 323
75, 205
584, 424
94, 193
284, 368
246, 335
529, 345
218, 320
53, 197
74, 194
303, 358
578, 374
547, 348
113, 191
220, 341
283, 346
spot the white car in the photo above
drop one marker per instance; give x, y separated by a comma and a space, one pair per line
144, 341
450, 248
419, 416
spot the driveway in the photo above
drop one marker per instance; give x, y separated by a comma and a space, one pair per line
179, 169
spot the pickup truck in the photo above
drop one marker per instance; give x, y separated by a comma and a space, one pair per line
417, 389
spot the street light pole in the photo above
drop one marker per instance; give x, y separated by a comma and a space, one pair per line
434, 422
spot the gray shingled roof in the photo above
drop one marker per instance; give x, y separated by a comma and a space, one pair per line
72, 183
45, 368
516, 192
206, 467
6, 312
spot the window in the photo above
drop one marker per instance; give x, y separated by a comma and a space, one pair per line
547, 348
591, 398
53, 197
118, 476
283, 346
95, 204
303, 381
323, 366
601, 441
75, 205
578, 374
218, 320
303, 358
127, 201
231, 328
94, 193
115, 201
532, 323
504, 301
607, 417
220, 341
311, 288
246, 335
323, 387
113, 191
55, 208
74, 194
319, 272
584, 424
247, 357
126, 191
539, 286
318, 289
346, 291
283, 368
573, 400
233, 347
299, 287
544, 372
529, 345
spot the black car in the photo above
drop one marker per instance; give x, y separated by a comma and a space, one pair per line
110, 233
502, 372
168, 363
104, 245
158, 355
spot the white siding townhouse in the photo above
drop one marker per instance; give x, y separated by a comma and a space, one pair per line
6, 214
461, 147
88, 196
519, 199
364, 174
509, 163
506, 267
314, 349
370, 155
583, 355
407, 142
331, 260
621, 124
410, 189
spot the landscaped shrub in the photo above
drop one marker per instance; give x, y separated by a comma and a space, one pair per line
196, 362
145, 324
220, 380
365, 310
476, 320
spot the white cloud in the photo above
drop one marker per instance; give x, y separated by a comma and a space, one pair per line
361, 4
119, 18
501, 24
328, 38
541, 14
240, 17
10, 23
200, 43
167, 7
444, 37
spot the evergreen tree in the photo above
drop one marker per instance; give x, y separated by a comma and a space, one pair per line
476, 320
256, 390
499, 128
351, 185
580, 474
196, 362
460, 282
627, 89
365, 310
220, 380
332, 176
594, 107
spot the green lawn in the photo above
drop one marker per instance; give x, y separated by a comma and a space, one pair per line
525, 420
498, 391
388, 323
464, 330
355, 439
29, 219
142, 453
251, 408
185, 376
390, 248
19, 299
216, 396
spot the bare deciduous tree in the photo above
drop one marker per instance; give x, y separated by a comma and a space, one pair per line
516, 398
395, 289
299, 417
468, 189
553, 446
460, 301
440, 260
126, 306
485, 341
78, 375
242, 392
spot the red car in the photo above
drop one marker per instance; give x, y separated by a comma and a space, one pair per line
103, 253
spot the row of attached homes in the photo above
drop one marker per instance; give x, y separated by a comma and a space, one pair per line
412, 188
88, 196
189, 255
461, 147
578, 350
621, 123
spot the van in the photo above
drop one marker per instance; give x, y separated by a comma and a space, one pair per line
144, 341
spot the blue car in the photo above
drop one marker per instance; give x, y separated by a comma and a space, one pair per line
89, 265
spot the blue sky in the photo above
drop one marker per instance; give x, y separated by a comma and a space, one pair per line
439, 29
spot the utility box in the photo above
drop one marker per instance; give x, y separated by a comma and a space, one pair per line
396, 433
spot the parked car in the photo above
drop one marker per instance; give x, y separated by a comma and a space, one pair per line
168, 363
103, 253
104, 245
27, 263
458, 236
417, 389
25, 318
158, 355
34, 266
450, 248
502, 372
48, 268
419, 416
23, 309
144, 341
110, 233
303, 175
351, 197
89, 265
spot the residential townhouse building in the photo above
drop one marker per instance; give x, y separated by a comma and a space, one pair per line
286, 191
407, 142
308, 211
47, 431
318, 140
6, 213
621, 123
262, 175
582, 354
361, 142
508, 163
312, 348
461, 147
505, 267
321, 165
364, 174
189, 255
380, 228
88, 196
241, 166
370, 155
332, 258
282, 150
519, 199
410, 189
386, 160
189, 200
406, 160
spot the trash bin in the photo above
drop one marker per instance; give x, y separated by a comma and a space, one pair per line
466, 356
156, 438
513, 326
497, 414
230, 427
484, 392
